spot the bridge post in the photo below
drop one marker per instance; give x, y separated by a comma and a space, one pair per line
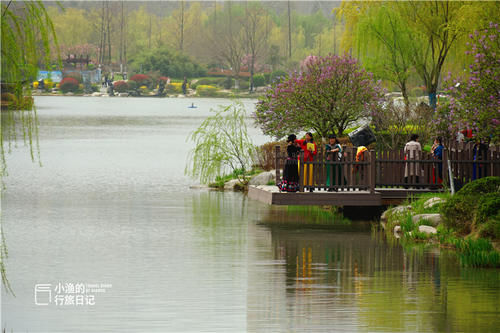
372, 171
301, 172
277, 151
445, 166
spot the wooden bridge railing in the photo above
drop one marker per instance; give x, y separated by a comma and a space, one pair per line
392, 169
345, 174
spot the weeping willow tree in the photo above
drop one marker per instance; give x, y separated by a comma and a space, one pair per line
26, 35
386, 41
222, 145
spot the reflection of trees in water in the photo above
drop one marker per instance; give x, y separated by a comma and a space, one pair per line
220, 219
3, 255
305, 215
392, 288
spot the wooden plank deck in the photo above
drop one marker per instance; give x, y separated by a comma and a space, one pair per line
271, 195
381, 197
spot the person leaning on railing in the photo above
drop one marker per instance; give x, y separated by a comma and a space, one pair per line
437, 154
413, 151
334, 154
310, 150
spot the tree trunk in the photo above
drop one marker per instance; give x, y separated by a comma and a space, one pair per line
102, 37
149, 40
182, 26
121, 38
404, 92
252, 64
289, 32
108, 16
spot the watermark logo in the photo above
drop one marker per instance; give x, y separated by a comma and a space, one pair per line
69, 294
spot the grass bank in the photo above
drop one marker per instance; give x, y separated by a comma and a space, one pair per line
468, 222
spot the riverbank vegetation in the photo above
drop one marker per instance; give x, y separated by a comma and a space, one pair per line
468, 221
221, 146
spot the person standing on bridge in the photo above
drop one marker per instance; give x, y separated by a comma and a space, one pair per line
413, 152
310, 150
437, 154
290, 182
333, 171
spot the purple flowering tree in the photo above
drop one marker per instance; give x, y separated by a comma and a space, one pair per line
475, 100
330, 94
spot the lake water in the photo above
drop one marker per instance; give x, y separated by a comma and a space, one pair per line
109, 221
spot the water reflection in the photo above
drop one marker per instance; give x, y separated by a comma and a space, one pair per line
111, 205
330, 280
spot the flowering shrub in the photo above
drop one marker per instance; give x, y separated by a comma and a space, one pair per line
68, 84
475, 101
75, 75
142, 79
206, 90
329, 95
174, 87
120, 86
48, 84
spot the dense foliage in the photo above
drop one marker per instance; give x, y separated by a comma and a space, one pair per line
68, 84
222, 145
329, 95
168, 63
475, 100
476, 207
120, 86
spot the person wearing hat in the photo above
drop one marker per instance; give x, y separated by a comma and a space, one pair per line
290, 182
333, 154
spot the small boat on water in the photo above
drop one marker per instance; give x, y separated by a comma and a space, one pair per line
192, 106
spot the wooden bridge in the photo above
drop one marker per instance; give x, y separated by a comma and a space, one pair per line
379, 179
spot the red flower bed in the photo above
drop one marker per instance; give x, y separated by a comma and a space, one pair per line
141, 79
120, 86
68, 84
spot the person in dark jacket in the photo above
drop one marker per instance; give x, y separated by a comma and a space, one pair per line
290, 182
437, 154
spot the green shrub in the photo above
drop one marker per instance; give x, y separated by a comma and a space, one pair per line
458, 213
228, 82
206, 91
476, 203
488, 206
491, 228
267, 77
278, 74
244, 84
132, 85
481, 186
259, 80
